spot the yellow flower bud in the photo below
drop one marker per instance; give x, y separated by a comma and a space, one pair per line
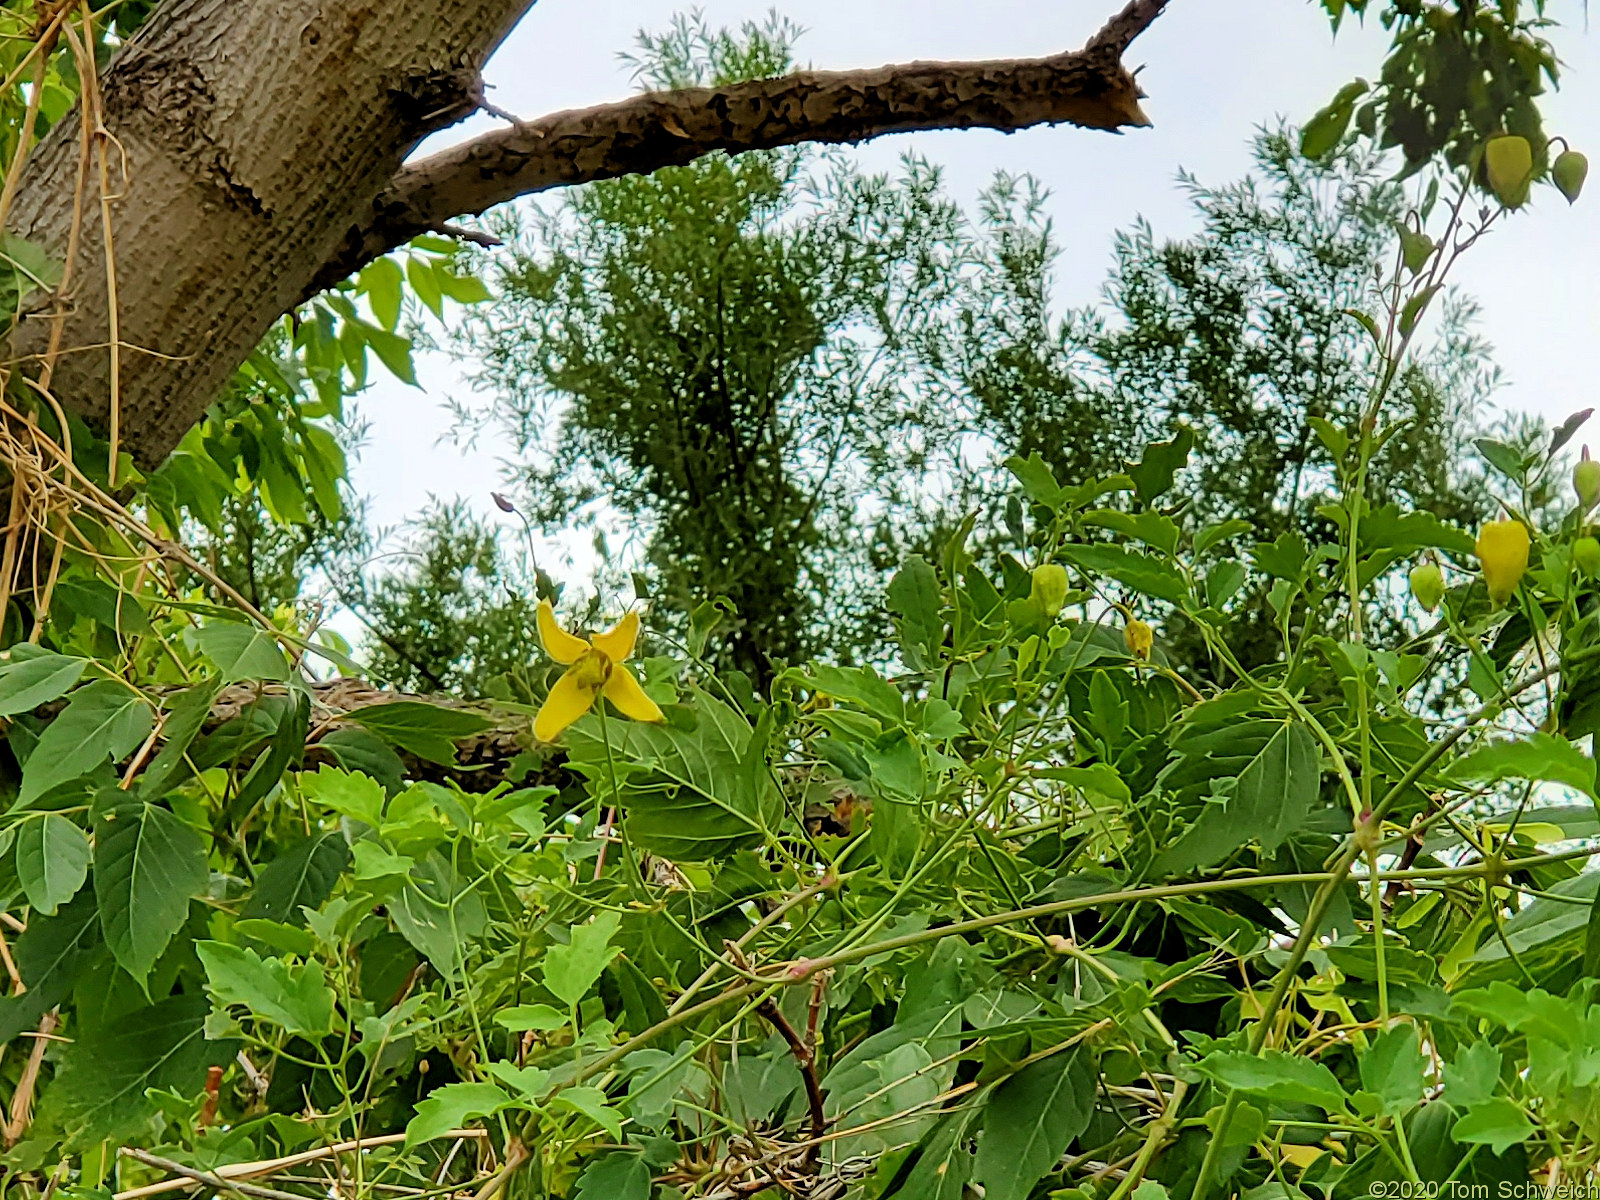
1050, 587
1140, 638
1503, 553
1508, 163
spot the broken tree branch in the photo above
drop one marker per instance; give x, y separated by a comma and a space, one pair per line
1089, 88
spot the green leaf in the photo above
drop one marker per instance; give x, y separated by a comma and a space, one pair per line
1221, 531
107, 606
1029, 1121
860, 685
50, 955
381, 281
1392, 1069
1036, 480
241, 652
1540, 755
615, 1177
1277, 789
1153, 476
392, 349
301, 877
365, 753
30, 677
1153, 529
591, 1103
99, 1092
540, 1018
103, 720
347, 793
1270, 800
1275, 1075
424, 281
1324, 131
944, 1164
429, 731
185, 718
450, 1107
1496, 1123
527, 1081
52, 861
294, 998
1471, 1077
372, 861
438, 914
279, 936
463, 289
1503, 458
691, 794
1411, 312
571, 970
147, 866
1141, 572
1591, 940
914, 597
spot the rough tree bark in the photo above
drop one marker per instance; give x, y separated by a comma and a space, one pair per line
257, 154
248, 137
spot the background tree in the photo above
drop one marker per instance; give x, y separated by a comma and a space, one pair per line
724, 366
761, 369
1242, 334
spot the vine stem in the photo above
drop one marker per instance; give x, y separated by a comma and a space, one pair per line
1160, 1130
802, 970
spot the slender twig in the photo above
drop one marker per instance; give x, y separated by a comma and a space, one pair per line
207, 1178
270, 1166
22, 1098
804, 1056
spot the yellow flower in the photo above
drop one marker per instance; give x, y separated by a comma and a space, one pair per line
594, 668
1503, 552
1139, 636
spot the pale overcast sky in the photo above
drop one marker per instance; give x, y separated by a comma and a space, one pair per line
1214, 70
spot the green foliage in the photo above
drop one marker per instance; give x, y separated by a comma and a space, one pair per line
1233, 895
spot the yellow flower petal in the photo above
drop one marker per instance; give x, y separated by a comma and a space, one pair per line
568, 700
1139, 637
1503, 553
623, 690
557, 642
618, 641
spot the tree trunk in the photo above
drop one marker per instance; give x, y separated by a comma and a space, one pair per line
254, 151
246, 136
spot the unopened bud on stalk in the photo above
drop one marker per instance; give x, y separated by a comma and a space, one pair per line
1586, 481
1503, 553
1050, 587
1427, 585
1139, 637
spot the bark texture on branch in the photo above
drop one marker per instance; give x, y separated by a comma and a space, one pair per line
1089, 88
243, 138
256, 154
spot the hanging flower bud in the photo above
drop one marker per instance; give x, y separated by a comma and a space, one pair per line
1139, 637
1427, 585
1503, 553
1508, 164
1568, 172
1586, 481
1586, 556
1050, 587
